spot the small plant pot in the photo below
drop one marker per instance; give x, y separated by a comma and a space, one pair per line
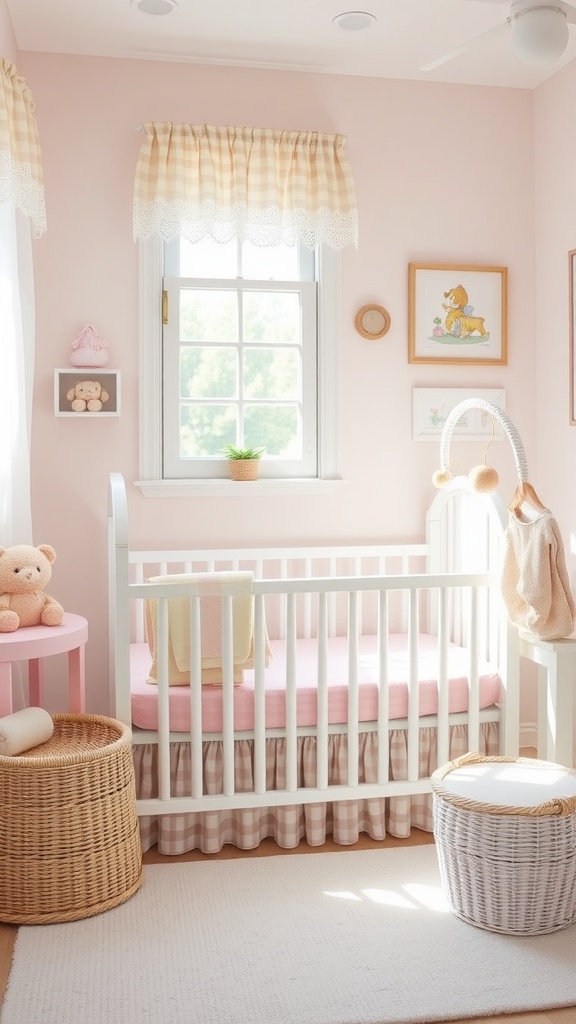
243, 469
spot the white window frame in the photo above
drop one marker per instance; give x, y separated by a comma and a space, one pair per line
151, 483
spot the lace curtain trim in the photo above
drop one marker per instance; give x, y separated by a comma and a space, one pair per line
169, 220
265, 186
18, 187
20, 162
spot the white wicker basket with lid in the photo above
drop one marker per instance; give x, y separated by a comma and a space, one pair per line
505, 831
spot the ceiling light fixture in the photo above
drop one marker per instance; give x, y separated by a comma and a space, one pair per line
154, 6
354, 21
539, 34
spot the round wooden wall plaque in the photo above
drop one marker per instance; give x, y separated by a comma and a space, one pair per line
372, 322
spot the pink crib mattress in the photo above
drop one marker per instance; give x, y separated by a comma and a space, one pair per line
144, 702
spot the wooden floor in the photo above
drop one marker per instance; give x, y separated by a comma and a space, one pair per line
269, 849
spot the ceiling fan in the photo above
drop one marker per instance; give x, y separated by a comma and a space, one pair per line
538, 29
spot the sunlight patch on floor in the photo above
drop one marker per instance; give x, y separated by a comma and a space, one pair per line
417, 896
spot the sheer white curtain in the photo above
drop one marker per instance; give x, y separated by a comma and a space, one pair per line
16, 375
21, 210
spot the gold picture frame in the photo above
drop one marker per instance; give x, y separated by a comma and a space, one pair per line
457, 314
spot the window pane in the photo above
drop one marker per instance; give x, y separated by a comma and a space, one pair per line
205, 429
270, 262
208, 258
209, 315
271, 373
276, 427
239, 361
208, 372
272, 316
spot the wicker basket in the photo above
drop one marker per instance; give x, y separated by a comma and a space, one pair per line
506, 868
69, 837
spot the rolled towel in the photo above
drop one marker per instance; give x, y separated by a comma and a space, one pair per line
23, 730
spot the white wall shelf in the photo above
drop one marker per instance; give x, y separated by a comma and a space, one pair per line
66, 380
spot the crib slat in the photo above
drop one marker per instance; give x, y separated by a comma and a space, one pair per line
163, 705
283, 568
405, 608
413, 694
359, 597
139, 631
196, 760
353, 613
259, 696
227, 695
291, 696
322, 695
493, 653
443, 739
473, 676
383, 690
307, 602
332, 602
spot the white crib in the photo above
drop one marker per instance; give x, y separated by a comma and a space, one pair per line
388, 660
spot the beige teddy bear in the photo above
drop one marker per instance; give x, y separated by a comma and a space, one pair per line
87, 396
24, 572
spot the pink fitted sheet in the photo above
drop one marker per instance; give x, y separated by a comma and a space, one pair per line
144, 695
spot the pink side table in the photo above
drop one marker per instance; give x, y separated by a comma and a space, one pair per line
32, 644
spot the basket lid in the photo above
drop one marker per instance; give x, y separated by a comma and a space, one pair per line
507, 783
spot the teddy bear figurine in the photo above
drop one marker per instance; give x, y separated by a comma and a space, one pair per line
87, 396
24, 572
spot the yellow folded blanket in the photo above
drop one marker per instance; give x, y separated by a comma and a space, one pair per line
210, 587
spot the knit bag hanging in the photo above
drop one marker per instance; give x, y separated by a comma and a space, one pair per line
88, 348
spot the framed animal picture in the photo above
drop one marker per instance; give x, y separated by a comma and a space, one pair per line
457, 314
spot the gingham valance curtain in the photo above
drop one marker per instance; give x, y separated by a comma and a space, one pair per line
20, 163
265, 186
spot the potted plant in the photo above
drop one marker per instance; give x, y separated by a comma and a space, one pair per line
243, 463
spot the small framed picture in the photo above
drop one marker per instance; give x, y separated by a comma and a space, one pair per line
90, 392
457, 314
432, 406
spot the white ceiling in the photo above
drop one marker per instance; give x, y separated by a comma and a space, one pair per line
290, 34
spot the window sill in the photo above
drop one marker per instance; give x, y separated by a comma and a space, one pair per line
235, 488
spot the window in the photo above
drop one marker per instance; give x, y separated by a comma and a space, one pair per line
251, 349
239, 357
246, 355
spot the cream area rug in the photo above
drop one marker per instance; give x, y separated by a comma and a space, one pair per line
358, 937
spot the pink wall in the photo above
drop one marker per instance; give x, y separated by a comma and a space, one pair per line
555, 175
443, 173
7, 38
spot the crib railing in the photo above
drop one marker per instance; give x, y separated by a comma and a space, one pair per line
319, 593
351, 561
418, 590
